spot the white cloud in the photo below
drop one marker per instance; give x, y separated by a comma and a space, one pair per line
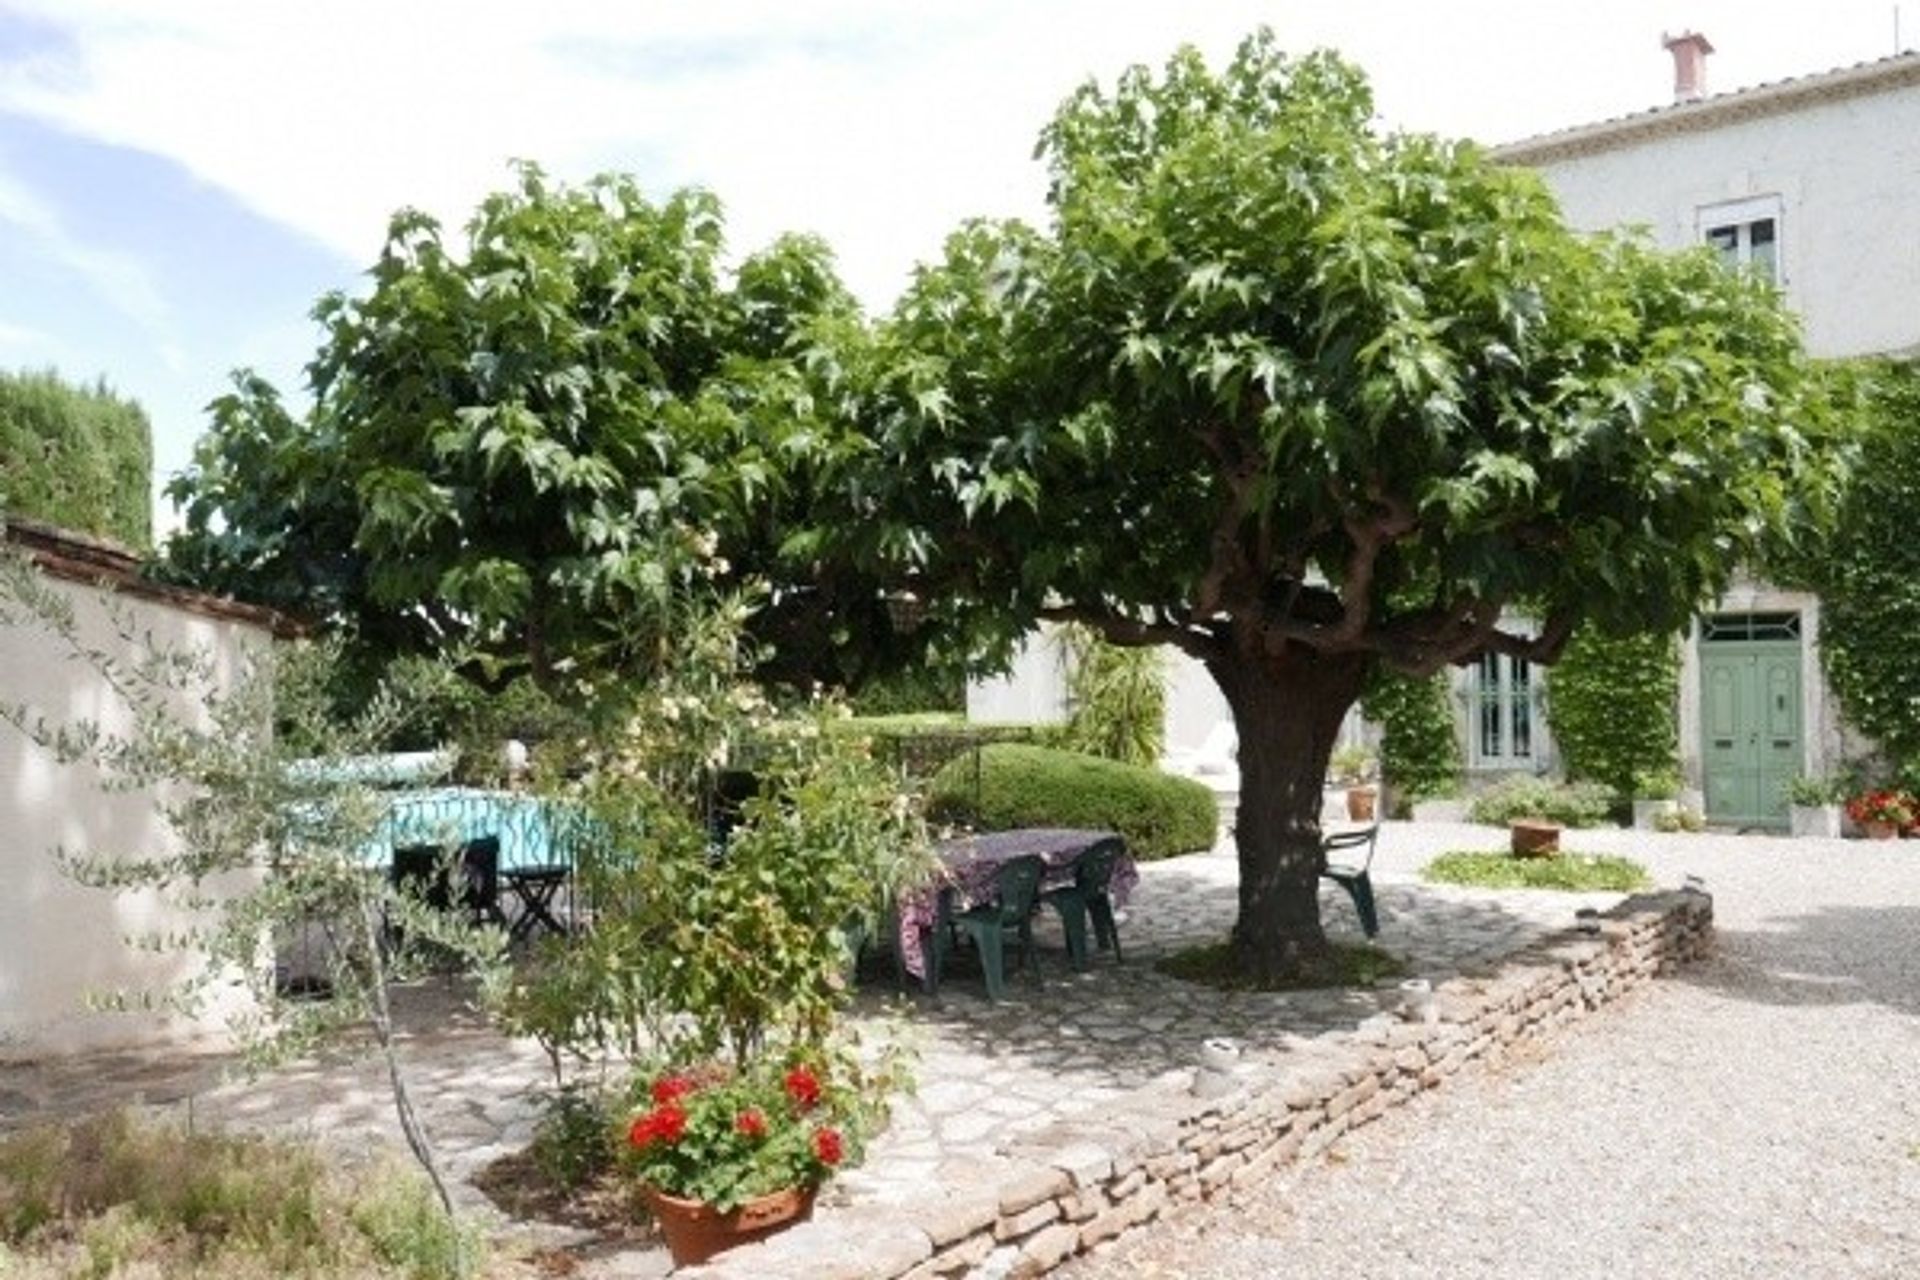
878, 124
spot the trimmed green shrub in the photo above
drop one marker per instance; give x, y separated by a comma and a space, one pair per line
1612, 703
1024, 786
78, 457
1419, 746
1575, 804
1118, 697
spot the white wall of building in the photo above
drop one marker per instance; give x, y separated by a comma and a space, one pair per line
59, 941
1843, 173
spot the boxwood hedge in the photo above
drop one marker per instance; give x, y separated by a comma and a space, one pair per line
1013, 785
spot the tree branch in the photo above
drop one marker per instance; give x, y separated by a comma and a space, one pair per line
1121, 630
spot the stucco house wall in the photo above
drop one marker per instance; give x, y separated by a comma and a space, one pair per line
1834, 158
59, 941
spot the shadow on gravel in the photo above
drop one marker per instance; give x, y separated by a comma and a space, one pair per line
1121, 1025
1830, 956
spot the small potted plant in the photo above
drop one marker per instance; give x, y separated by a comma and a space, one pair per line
1881, 813
1655, 794
1813, 808
726, 1156
1353, 767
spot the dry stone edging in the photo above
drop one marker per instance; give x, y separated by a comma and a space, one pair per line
1162, 1151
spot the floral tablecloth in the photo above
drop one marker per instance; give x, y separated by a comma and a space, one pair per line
969, 867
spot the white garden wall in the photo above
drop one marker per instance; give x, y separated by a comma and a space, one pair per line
60, 941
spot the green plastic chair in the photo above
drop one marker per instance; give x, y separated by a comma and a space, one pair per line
1016, 893
1353, 876
1088, 896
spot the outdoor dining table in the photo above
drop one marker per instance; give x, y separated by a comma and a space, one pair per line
969, 871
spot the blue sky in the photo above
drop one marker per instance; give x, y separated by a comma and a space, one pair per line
181, 179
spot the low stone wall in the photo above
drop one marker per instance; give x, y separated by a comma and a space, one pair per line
1032, 1204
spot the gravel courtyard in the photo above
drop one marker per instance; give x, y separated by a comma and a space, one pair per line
1758, 1115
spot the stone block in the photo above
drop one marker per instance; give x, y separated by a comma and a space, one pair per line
1028, 1189
1045, 1251
1014, 1225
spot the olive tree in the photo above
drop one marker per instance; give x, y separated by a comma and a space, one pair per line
1301, 399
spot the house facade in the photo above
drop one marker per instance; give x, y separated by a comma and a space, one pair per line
62, 943
1814, 183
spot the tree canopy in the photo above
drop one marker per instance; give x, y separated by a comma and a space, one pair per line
78, 457
1302, 398
1272, 379
514, 448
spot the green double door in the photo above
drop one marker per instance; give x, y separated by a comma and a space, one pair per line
1750, 726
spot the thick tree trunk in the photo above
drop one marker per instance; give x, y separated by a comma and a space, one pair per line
1287, 711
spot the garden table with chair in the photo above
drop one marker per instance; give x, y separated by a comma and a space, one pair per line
969, 875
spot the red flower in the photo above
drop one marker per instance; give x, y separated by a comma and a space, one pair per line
803, 1087
670, 1088
751, 1123
670, 1123
826, 1145
665, 1123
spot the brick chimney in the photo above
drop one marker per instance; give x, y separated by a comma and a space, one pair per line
1689, 50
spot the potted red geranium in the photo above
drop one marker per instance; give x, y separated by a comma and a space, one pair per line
1882, 813
726, 1156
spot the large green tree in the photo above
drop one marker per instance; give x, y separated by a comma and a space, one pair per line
1300, 398
511, 438
80, 457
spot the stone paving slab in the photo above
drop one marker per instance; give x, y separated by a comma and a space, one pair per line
1064, 1048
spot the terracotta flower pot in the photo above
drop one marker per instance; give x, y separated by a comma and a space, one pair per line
1880, 830
1360, 803
1534, 838
695, 1231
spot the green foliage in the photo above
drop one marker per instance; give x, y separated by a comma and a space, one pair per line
1347, 965
1811, 791
1656, 784
1116, 697
1678, 820
509, 442
1158, 814
111, 1196
1351, 764
1868, 573
573, 1141
78, 457
1572, 872
1613, 702
1419, 743
1580, 804
695, 955
918, 689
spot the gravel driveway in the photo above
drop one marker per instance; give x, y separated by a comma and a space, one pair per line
1758, 1115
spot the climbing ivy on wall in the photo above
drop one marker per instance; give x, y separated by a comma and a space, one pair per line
1868, 575
1612, 703
1419, 745
78, 457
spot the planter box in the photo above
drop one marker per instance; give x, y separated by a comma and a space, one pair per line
1646, 813
1817, 822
